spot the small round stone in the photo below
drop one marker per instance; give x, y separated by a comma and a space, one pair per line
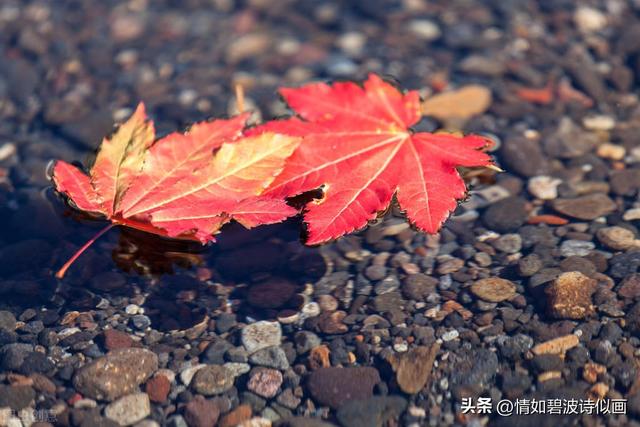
494, 289
617, 238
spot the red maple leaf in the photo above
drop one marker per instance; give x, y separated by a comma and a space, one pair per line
359, 148
176, 186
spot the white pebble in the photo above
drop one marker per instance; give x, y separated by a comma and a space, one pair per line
450, 335
425, 29
599, 122
589, 20
544, 187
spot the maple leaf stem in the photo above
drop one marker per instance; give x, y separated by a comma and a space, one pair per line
239, 98
60, 274
495, 168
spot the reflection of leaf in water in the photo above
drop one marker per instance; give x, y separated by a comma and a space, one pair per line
148, 254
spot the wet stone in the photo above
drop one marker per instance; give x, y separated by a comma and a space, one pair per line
373, 411
115, 339
260, 335
505, 215
414, 367
158, 388
16, 397
625, 182
273, 293
201, 412
118, 373
523, 156
509, 243
265, 382
476, 369
617, 238
7, 321
630, 287
235, 417
587, 207
129, 409
335, 386
271, 357
418, 286
212, 380
569, 296
579, 248
494, 289
529, 265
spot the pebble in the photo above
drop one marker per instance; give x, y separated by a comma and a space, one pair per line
617, 238
506, 215
413, 368
544, 187
212, 380
579, 248
158, 388
201, 412
335, 386
115, 339
569, 296
450, 335
237, 368
129, 409
16, 397
611, 151
599, 122
631, 214
630, 287
374, 411
587, 207
463, 103
529, 265
7, 321
271, 357
265, 382
493, 289
260, 335
589, 19
523, 156
510, 243
186, 375
558, 345
237, 416
118, 373
425, 29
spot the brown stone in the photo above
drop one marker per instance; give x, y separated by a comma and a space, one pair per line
331, 323
463, 103
319, 357
630, 287
201, 412
413, 368
556, 345
118, 373
265, 382
587, 207
235, 417
158, 388
494, 289
335, 386
569, 296
114, 339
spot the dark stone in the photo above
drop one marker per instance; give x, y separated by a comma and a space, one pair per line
375, 411
7, 321
523, 156
505, 215
335, 386
16, 397
201, 412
